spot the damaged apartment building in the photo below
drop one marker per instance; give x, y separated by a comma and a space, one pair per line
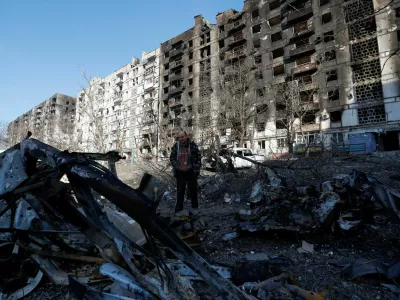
52, 121
187, 76
120, 111
342, 54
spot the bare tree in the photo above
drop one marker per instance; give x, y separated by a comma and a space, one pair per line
3, 130
240, 99
104, 127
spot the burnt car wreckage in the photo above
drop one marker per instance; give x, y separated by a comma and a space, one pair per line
44, 216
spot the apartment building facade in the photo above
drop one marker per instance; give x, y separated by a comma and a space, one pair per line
334, 52
52, 121
120, 111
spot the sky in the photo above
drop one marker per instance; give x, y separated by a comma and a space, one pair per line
45, 43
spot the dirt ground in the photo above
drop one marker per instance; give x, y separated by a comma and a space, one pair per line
311, 271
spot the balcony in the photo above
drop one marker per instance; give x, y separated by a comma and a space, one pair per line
173, 103
175, 76
305, 13
236, 40
176, 89
302, 29
304, 68
119, 81
302, 50
176, 52
235, 54
148, 86
234, 26
176, 64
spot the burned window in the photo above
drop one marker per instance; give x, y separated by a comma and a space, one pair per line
257, 59
190, 96
308, 118
255, 14
165, 78
191, 55
280, 124
323, 2
221, 28
260, 126
331, 75
275, 20
256, 28
280, 107
326, 18
165, 115
257, 43
330, 55
263, 107
190, 43
190, 81
278, 53
261, 145
166, 90
333, 95
221, 44
335, 116
166, 66
276, 36
166, 54
258, 75
328, 36
281, 142
190, 122
279, 70
299, 27
274, 5
190, 69
303, 60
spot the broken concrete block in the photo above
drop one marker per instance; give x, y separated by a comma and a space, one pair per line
230, 236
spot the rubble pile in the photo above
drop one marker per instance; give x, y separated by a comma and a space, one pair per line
51, 214
339, 206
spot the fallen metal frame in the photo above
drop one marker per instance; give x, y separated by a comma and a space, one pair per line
47, 165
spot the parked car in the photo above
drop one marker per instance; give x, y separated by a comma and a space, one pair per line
240, 163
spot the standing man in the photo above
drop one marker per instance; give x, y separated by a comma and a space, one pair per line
186, 162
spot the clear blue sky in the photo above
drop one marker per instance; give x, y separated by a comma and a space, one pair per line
44, 43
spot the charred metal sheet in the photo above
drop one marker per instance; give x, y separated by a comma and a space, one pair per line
126, 280
33, 282
25, 216
152, 188
388, 267
48, 267
12, 170
183, 270
129, 227
83, 292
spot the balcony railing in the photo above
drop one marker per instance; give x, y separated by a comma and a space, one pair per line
298, 15
176, 52
239, 24
304, 68
176, 64
302, 50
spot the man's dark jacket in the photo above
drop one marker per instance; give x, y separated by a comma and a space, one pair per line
195, 157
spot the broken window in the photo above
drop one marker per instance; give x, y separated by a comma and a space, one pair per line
337, 138
259, 93
326, 18
190, 43
165, 78
257, 43
328, 36
221, 44
274, 5
255, 14
260, 126
275, 20
335, 116
190, 96
257, 59
305, 79
333, 95
331, 75
256, 28
166, 67
299, 27
190, 81
278, 53
281, 142
166, 90
280, 107
258, 75
166, 54
323, 2
303, 60
279, 70
206, 51
221, 28
191, 55
190, 69
330, 55
276, 36
308, 118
